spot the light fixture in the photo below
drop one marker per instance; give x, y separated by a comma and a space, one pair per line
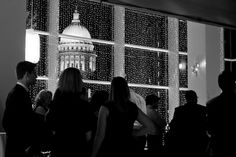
198, 66
195, 68
32, 42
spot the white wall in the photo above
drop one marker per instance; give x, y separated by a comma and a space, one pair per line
204, 44
12, 39
214, 58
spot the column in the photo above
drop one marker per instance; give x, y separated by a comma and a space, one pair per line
173, 62
53, 44
119, 38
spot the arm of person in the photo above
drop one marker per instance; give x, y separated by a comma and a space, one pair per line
88, 135
101, 128
148, 127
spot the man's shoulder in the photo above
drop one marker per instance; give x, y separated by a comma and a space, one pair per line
179, 108
214, 100
16, 93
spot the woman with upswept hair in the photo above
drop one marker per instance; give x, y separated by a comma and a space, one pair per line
70, 116
114, 135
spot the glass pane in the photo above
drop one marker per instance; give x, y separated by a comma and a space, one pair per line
146, 67
96, 18
228, 65
234, 67
104, 64
34, 90
42, 66
91, 88
183, 71
182, 100
37, 15
93, 59
183, 36
145, 29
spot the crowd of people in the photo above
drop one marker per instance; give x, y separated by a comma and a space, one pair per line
111, 123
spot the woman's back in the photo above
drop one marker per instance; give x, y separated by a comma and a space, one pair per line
118, 140
70, 117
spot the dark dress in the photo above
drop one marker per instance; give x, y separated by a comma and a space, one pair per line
70, 118
19, 122
118, 137
44, 135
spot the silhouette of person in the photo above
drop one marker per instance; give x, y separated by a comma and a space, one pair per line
155, 142
188, 128
141, 104
70, 116
41, 108
115, 123
19, 118
221, 116
42, 102
98, 99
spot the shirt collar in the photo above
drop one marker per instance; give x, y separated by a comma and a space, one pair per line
21, 84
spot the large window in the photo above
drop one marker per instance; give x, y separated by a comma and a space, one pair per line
85, 39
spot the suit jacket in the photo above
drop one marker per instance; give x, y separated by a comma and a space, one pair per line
221, 123
18, 122
189, 119
188, 131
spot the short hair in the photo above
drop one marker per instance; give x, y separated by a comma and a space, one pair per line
226, 80
23, 67
70, 81
191, 95
151, 99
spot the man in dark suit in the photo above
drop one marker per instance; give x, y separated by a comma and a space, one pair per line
18, 118
221, 117
188, 128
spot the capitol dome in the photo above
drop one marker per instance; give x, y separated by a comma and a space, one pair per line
75, 29
77, 53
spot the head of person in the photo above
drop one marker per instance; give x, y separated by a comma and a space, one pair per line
119, 90
43, 98
191, 96
226, 81
152, 101
70, 81
25, 72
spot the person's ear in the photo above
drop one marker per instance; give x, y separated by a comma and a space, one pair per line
25, 75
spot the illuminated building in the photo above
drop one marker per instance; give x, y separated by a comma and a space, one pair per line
77, 53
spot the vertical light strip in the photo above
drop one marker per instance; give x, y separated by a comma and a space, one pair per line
173, 62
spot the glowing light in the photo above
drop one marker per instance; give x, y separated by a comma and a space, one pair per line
203, 63
182, 66
32, 46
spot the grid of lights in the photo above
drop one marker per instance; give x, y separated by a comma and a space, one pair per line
146, 46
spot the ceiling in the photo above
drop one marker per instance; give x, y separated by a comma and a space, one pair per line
215, 12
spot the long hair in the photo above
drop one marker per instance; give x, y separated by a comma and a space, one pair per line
119, 92
70, 81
